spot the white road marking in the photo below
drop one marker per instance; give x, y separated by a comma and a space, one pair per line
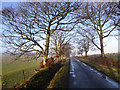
112, 82
84, 64
73, 75
91, 69
72, 70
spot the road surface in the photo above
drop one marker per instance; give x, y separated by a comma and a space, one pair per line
82, 76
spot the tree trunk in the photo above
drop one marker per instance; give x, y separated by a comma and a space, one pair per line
102, 47
44, 60
86, 53
46, 48
81, 54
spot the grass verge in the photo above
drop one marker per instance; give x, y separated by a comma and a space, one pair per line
104, 65
61, 78
42, 78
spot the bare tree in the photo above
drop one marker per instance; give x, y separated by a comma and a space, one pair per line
31, 24
66, 49
58, 39
116, 19
80, 51
116, 16
84, 45
98, 24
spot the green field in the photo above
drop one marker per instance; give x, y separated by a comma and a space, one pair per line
12, 72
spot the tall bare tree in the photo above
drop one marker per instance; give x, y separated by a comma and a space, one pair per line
98, 24
30, 24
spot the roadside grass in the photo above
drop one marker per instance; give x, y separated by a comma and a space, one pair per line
42, 78
61, 78
12, 72
115, 56
104, 65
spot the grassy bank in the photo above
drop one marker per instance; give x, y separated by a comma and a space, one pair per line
104, 65
57, 75
61, 78
42, 78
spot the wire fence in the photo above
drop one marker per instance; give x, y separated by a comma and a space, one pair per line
16, 78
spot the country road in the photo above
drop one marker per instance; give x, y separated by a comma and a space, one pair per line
83, 76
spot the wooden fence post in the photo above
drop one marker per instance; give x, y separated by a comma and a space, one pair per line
23, 74
114, 58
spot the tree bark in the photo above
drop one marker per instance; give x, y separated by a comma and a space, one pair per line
46, 48
86, 53
81, 55
102, 47
44, 60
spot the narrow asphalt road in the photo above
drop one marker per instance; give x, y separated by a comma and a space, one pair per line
82, 76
